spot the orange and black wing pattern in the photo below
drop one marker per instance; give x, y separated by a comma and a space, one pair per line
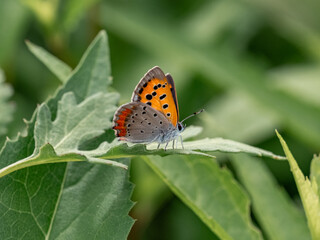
157, 90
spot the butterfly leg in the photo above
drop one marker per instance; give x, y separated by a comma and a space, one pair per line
158, 146
173, 144
165, 148
181, 142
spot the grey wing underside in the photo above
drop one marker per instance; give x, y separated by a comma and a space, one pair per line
154, 72
144, 124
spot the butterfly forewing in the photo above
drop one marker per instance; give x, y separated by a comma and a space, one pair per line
158, 91
174, 93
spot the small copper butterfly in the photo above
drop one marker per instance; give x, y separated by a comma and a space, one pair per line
153, 113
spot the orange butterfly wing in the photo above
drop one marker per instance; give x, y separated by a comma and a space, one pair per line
158, 90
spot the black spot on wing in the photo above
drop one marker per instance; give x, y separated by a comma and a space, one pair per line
148, 96
163, 96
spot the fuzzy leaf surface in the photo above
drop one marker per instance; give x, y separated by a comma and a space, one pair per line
75, 124
197, 147
58, 200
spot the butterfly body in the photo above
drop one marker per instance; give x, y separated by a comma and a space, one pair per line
153, 114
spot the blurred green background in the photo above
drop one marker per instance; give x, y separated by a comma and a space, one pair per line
253, 65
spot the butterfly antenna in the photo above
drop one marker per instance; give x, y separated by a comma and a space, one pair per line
193, 114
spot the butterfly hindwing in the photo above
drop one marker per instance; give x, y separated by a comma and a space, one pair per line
157, 90
138, 122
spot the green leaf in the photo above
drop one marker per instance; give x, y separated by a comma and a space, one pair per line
92, 74
197, 147
308, 192
6, 108
191, 131
315, 172
59, 141
275, 211
57, 200
56, 66
226, 145
74, 123
85, 81
99, 212
210, 192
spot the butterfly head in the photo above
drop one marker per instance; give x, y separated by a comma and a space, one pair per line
180, 126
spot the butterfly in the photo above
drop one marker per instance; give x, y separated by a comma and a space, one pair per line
153, 113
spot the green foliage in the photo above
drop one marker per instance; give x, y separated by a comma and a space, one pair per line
300, 118
210, 192
197, 147
252, 65
6, 108
10, 12
275, 211
63, 124
56, 66
315, 172
73, 11
57, 211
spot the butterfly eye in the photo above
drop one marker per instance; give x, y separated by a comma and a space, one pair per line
180, 127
